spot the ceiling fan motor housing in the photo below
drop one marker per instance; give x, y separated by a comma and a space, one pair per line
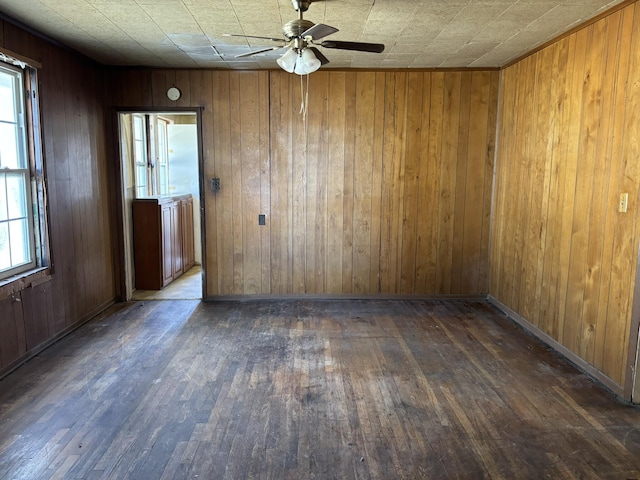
295, 28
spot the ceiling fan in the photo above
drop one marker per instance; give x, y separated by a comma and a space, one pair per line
302, 56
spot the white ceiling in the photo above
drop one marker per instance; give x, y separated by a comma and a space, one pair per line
417, 33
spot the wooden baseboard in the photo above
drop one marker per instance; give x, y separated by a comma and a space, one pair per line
334, 297
578, 361
47, 343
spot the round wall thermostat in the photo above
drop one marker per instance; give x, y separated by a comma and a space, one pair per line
173, 93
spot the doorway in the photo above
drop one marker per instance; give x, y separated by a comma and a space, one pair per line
160, 182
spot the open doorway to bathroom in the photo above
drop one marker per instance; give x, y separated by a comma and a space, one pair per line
162, 228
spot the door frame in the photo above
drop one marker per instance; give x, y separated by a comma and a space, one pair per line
121, 267
632, 375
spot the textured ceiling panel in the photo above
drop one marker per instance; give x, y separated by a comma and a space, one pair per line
190, 33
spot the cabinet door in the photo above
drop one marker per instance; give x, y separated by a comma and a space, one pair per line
12, 337
176, 238
167, 243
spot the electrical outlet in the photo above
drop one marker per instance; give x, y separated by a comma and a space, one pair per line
623, 205
261, 219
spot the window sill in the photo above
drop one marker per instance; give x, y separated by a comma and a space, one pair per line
17, 283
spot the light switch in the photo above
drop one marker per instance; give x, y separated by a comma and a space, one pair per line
624, 203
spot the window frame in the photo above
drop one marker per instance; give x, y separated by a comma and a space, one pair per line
141, 156
162, 135
35, 183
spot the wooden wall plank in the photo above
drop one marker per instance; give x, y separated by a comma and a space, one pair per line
335, 187
427, 231
298, 189
223, 170
235, 180
475, 168
596, 121
535, 204
317, 122
363, 179
265, 184
460, 190
348, 180
410, 215
249, 208
281, 153
376, 183
489, 165
448, 166
547, 115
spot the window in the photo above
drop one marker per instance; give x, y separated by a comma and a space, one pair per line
150, 154
163, 158
22, 225
140, 155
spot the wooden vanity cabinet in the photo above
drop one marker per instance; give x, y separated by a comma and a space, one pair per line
162, 240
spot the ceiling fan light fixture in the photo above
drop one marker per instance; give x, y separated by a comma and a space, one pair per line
310, 60
288, 61
306, 63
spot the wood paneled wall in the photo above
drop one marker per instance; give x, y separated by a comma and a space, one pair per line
384, 188
562, 256
72, 100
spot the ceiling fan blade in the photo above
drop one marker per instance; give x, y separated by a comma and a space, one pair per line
254, 36
357, 46
323, 60
256, 52
319, 31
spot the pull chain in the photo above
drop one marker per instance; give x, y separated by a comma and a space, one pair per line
304, 104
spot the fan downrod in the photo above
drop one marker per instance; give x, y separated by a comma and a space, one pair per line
301, 5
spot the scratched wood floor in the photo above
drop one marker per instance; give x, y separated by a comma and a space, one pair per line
309, 389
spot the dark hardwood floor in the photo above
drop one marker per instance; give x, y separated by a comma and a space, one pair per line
309, 389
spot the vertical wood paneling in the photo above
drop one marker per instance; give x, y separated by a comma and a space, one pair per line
383, 187
626, 238
72, 101
622, 60
562, 256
